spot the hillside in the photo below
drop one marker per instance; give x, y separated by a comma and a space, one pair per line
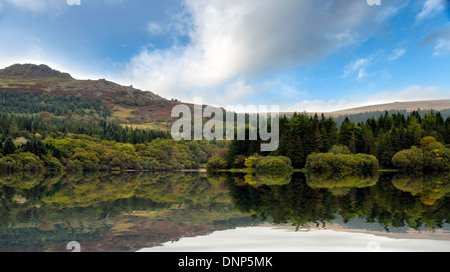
127, 105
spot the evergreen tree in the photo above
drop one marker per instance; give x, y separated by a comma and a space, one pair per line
386, 151
9, 147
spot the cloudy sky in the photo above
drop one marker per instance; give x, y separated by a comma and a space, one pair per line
313, 55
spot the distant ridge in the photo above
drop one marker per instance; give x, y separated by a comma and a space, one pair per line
441, 104
33, 71
437, 104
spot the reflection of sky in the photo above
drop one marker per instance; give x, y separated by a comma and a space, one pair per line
269, 239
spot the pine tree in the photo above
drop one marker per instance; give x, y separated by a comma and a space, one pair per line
9, 147
353, 144
367, 140
386, 151
343, 134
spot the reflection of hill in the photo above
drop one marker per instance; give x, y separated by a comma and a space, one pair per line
107, 212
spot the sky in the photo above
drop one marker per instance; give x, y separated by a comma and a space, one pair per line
303, 55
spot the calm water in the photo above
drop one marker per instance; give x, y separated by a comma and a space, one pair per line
228, 212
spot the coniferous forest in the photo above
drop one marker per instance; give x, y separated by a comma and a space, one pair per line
382, 138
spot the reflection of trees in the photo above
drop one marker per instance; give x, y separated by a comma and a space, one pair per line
267, 179
293, 202
341, 185
21, 180
85, 206
378, 202
93, 189
429, 187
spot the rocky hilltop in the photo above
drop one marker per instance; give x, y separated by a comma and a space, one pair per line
33, 71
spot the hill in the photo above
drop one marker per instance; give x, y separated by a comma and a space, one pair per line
376, 110
443, 104
128, 105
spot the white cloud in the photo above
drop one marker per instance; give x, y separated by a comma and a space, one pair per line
357, 67
442, 48
396, 54
236, 91
390, 11
238, 40
322, 105
430, 8
440, 39
410, 93
154, 28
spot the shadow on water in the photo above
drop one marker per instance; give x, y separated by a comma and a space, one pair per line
129, 211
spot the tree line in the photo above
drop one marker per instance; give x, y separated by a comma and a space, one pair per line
382, 137
82, 153
36, 102
43, 125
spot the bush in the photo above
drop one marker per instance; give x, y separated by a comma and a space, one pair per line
52, 164
432, 156
216, 163
24, 161
250, 162
409, 159
31, 164
273, 165
344, 164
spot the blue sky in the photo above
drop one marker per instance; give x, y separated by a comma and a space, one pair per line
320, 55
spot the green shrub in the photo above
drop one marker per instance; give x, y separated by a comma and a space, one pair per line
216, 163
431, 156
273, 165
343, 164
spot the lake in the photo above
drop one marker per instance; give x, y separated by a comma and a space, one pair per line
177, 211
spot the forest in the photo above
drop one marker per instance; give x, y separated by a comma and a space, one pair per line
36, 102
43, 133
40, 132
381, 138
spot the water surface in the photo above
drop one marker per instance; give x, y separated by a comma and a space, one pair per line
166, 211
